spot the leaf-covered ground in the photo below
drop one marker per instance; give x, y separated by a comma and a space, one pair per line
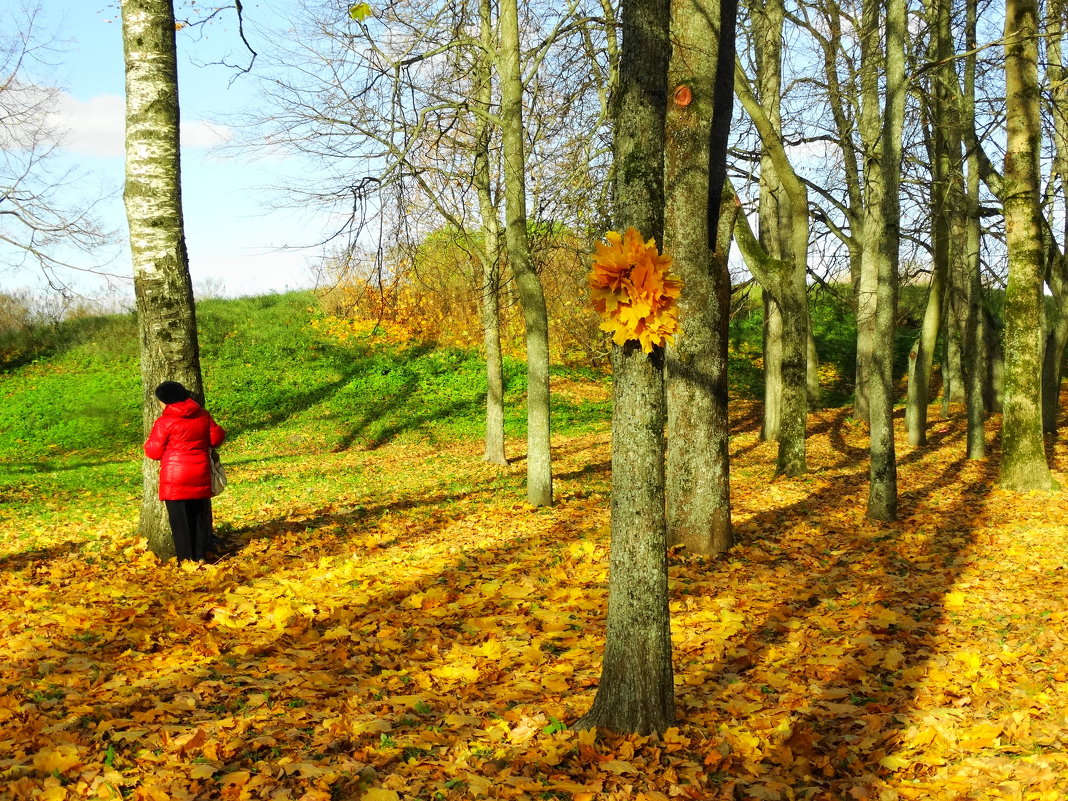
396, 624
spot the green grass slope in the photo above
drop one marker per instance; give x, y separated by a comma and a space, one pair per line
271, 377
70, 419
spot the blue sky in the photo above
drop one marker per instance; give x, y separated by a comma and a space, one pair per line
234, 238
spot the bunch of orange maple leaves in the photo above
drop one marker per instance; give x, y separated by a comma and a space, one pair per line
633, 291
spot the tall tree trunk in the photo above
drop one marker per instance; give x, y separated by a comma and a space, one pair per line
1057, 78
776, 213
528, 284
993, 366
921, 359
786, 279
636, 692
952, 363
698, 485
864, 301
771, 335
944, 152
1057, 335
955, 206
491, 336
1023, 461
812, 372
841, 100
976, 355
153, 198
773, 206
1052, 363
882, 135
491, 250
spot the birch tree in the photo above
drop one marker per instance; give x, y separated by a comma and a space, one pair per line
153, 197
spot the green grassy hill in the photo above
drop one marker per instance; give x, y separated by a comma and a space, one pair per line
272, 379
275, 379
70, 418
280, 383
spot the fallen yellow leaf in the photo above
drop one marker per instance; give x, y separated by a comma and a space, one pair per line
57, 758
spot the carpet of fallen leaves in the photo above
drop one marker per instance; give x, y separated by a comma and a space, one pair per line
396, 624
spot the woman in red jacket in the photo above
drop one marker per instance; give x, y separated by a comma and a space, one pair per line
181, 440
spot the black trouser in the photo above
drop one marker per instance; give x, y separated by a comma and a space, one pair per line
191, 527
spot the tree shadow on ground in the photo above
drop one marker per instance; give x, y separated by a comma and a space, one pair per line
47, 466
139, 649
30, 560
348, 522
861, 689
288, 404
588, 471
404, 422
381, 662
368, 678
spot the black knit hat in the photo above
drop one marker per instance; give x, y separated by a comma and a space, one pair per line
172, 392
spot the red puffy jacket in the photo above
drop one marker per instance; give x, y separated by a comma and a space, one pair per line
181, 439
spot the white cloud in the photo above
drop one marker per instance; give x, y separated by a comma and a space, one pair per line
96, 127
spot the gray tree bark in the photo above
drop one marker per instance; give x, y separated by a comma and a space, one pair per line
773, 208
1057, 278
785, 199
956, 211
698, 472
812, 373
772, 338
528, 284
1023, 461
490, 256
975, 335
882, 131
153, 199
636, 692
921, 359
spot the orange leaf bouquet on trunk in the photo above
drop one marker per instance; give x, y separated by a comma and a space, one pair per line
634, 292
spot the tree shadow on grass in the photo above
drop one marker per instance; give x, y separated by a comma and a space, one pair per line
348, 523
1054, 447
347, 520
748, 421
864, 697
308, 670
404, 420
753, 420
853, 453
587, 471
46, 466
837, 438
288, 405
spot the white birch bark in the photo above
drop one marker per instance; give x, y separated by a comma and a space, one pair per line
153, 198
